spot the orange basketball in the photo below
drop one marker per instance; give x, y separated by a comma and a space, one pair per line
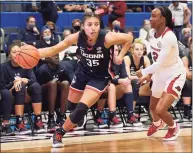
28, 57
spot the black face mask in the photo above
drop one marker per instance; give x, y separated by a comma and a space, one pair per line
77, 28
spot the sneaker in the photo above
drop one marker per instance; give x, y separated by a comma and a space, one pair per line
99, 123
172, 133
132, 121
60, 121
153, 129
57, 139
115, 122
51, 125
187, 118
39, 127
6, 130
21, 129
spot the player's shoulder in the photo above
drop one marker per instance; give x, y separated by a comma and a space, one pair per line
169, 35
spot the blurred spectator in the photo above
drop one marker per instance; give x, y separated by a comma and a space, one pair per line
181, 16
30, 34
69, 7
48, 10
186, 34
52, 28
144, 31
116, 25
76, 23
45, 39
66, 33
187, 89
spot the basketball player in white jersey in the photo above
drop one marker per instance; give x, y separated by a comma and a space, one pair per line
168, 73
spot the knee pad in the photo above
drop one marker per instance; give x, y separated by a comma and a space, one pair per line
19, 96
71, 106
35, 92
78, 114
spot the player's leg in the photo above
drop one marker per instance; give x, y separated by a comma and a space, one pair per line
135, 88
35, 92
6, 99
127, 96
19, 99
92, 92
49, 94
171, 92
113, 92
63, 90
186, 97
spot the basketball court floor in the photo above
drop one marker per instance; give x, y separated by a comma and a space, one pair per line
126, 139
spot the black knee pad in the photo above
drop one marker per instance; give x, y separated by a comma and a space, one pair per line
71, 106
35, 92
78, 114
19, 96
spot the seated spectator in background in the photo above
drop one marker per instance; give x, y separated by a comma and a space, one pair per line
23, 87
6, 107
135, 62
187, 90
181, 15
116, 26
116, 11
45, 39
30, 34
66, 33
186, 34
144, 31
55, 85
76, 23
48, 9
69, 7
88, 10
52, 28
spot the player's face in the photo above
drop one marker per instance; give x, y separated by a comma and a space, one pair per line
54, 59
156, 19
91, 27
13, 52
138, 50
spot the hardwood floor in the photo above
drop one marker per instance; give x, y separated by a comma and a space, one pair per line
124, 142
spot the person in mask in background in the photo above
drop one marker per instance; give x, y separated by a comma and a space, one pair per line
186, 34
144, 31
45, 41
52, 28
30, 34
76, 23
116, 26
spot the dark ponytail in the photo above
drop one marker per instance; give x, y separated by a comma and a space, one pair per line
168, 15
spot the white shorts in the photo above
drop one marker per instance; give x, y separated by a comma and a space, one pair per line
169, 82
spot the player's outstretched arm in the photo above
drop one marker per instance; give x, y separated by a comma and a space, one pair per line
51, 51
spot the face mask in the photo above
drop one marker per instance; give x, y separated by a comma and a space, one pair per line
147, 27
31, 26
77, 28
117, 28
47, 38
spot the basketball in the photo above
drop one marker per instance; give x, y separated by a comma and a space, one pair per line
28, 57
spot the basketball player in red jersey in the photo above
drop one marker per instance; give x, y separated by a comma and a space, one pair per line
167, 72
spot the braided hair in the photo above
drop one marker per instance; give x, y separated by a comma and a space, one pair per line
168, 16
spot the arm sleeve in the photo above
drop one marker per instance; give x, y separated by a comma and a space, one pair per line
169, 41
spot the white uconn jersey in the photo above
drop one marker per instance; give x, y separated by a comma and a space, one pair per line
158, 45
